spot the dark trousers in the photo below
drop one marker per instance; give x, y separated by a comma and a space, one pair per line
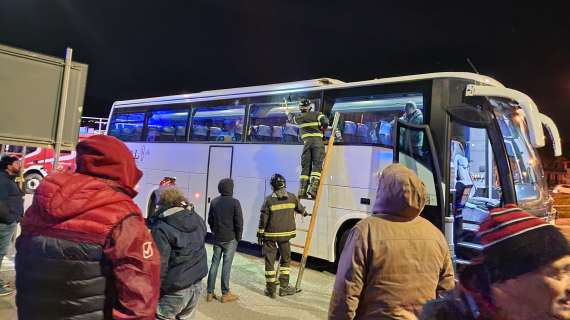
270, 248
312, 157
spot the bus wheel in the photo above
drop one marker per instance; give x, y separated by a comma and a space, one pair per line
32, 182
341, 243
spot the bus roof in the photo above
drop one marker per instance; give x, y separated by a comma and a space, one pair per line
298, 86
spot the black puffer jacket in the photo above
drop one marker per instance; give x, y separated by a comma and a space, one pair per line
180, 235
225, 217
11, 200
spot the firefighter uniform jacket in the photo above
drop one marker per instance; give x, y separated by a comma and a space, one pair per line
277, 220
311, 124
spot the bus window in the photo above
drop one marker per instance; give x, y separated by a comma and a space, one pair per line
368, 120
127, 126
523, 159
223, 124
268, 124
167, 125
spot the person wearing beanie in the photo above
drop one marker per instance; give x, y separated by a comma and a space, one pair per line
523, 273
11, 209
84, 251
394, 261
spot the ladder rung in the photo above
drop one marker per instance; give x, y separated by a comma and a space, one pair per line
297, 246
303, 230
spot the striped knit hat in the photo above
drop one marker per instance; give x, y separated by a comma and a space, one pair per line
515, 242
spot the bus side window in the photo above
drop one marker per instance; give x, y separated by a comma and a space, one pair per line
167, 125
219, 123
127, 126
269, 124
368, 120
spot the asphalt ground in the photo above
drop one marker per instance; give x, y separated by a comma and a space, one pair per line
248, 282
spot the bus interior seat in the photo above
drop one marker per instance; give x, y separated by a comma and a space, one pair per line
277, 133
180, 131
168, 129
199, 132
362, 133
291, 129
349, 131
291, 133
385, 133
264, 132
215, 132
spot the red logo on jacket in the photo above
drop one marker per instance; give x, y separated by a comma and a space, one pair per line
147, 250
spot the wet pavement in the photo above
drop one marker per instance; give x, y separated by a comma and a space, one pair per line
248, 282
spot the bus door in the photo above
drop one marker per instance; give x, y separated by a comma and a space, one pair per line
479, 173
220, 161
414, 148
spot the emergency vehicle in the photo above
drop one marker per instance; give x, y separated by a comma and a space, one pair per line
38, 161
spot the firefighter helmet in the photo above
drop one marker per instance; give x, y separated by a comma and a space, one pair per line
278, 182
305, 105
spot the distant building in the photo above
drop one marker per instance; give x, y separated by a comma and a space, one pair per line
557, 171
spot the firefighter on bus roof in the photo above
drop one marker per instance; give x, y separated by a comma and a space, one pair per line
311, 125
276, 228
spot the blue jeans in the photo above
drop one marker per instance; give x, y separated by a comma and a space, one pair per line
228, 249
6, 233
179, 305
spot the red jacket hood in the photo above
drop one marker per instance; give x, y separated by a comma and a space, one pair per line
108, 158
65, 196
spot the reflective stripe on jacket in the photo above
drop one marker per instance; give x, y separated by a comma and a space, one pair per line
277, 219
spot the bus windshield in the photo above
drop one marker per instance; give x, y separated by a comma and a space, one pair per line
523, 160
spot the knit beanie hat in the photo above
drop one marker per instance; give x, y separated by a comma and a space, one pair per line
516, 242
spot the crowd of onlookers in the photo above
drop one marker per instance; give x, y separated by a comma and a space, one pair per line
86, 252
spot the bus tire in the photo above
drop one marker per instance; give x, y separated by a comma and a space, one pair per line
341, 238
32, 181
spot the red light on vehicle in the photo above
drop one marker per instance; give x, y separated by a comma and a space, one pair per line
196, 195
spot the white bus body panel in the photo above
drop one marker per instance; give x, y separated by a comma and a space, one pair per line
351, 178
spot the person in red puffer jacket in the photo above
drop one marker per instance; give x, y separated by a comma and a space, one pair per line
85, 251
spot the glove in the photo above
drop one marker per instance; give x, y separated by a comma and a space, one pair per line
304, 213
260, 238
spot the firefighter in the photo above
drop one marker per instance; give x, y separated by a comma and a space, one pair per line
311, 125
276, 228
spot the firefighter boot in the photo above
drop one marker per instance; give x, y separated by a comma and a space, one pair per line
314, 187
287, 291
304, 183
271, 290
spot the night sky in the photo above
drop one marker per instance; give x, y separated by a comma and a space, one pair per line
147, 48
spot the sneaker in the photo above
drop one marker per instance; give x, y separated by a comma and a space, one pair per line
287, 291
5, 291
228, 297
210, 297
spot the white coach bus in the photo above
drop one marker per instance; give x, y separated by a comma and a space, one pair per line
475, 150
